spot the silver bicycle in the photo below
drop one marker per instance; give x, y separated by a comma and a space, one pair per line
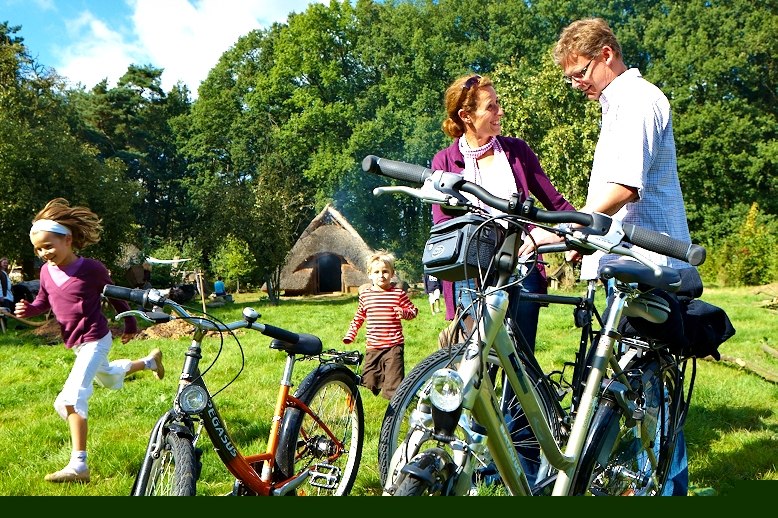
618, 435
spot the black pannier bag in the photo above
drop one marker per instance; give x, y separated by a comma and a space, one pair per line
461, 248
694, 328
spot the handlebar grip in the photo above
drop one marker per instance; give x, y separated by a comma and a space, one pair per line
398, 170
280, 334
664, 244
552, 248
120, 292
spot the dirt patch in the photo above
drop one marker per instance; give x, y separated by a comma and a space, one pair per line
174, 329
50, 331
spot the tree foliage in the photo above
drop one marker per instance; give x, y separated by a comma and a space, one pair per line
42, 157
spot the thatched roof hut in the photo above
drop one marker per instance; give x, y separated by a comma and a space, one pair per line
329, 256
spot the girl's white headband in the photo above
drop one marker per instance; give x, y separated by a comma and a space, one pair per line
49, 225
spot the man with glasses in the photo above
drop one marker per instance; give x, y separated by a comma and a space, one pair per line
634, 174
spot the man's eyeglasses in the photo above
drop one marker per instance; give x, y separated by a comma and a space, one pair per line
578, 76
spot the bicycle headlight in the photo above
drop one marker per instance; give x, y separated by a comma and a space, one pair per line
193, 399
447, 390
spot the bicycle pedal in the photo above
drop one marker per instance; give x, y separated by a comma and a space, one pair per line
325, 476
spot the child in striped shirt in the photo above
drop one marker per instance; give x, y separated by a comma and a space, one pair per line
383, 306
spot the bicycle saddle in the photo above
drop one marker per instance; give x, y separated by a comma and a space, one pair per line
633, 271
308, 345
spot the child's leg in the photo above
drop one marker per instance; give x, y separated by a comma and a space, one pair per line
370, 371
112, 374
71, 405
393, 370
152, 362
77, 469
78, 429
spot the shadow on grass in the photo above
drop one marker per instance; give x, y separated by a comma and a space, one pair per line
754, 455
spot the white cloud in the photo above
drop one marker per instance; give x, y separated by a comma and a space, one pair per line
183, 37
95, 52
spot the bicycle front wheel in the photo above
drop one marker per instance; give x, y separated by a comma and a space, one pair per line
173, 473
430, 475
394, 427
331, 454
625, 456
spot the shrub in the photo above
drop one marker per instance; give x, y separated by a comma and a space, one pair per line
745, 257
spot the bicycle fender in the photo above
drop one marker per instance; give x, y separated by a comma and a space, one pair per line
320, 370
179, 429
424, 465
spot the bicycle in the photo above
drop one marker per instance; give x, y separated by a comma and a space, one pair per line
316, 435
627, 395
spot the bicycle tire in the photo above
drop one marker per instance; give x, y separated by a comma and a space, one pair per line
332, 394
394, 427
436, 480
174, 472
615, 461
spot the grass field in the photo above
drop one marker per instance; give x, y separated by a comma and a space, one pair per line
732, 430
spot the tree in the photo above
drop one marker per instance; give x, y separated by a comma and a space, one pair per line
41, 157
551, 117
717, 62
131, 122
233, 260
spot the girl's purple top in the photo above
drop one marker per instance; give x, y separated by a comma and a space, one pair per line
77, 303
530, 178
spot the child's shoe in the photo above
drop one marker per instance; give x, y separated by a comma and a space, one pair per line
68, 474
159, 371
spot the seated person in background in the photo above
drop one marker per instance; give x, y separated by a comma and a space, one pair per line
6, 293
218, 287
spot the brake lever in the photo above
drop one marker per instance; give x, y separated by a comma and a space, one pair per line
152, 317
629, 252
608, 244
416, 193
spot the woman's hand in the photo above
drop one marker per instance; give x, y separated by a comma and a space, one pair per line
541, 237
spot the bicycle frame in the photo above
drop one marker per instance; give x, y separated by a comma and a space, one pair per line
254, 472
469, 390
303, 436
481, 399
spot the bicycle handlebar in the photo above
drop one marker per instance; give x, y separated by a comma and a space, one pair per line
596, 224
150, 298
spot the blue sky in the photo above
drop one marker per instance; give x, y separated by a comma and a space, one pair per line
87, 41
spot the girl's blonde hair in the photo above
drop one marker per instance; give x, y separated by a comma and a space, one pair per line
382, 256
84, 224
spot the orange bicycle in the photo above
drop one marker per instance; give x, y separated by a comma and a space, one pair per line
316, 436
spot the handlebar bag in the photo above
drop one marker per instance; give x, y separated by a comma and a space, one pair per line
461, 248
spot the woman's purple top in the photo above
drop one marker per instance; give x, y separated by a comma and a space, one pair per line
530, 178
77, 304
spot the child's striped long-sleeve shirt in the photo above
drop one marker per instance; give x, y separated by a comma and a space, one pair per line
384, 327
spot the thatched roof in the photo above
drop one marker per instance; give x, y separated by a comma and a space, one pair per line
327, 233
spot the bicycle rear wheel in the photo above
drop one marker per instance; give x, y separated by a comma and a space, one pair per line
624, 456
394, 427
173, 473
332, 394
